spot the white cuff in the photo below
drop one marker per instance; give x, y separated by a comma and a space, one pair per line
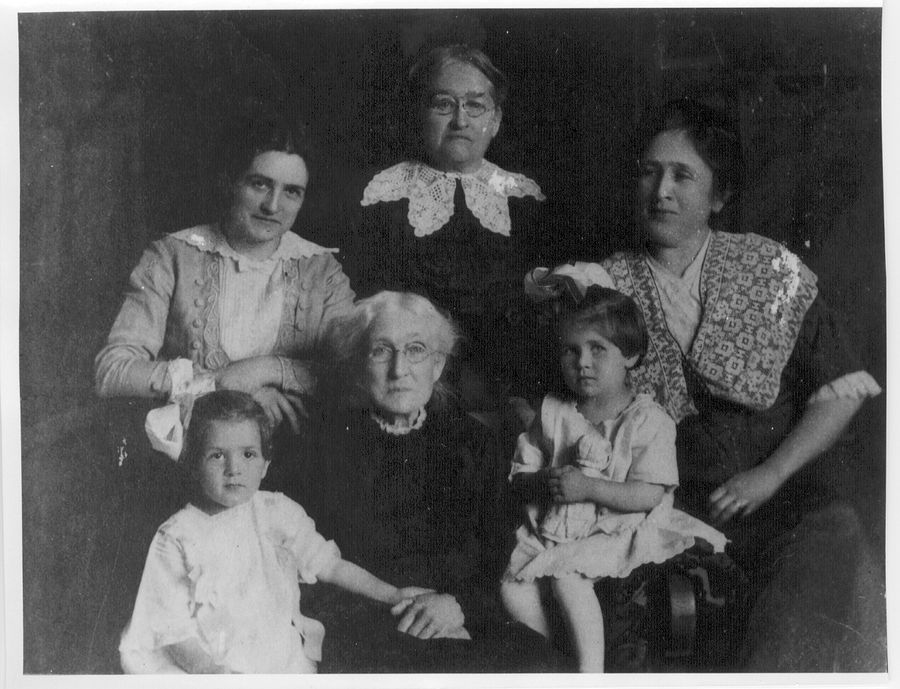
857, 385
166, 425
165, 430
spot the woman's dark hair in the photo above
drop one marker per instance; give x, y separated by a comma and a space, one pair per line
430, 62
222, 405
258, 132
614, 315
713, 135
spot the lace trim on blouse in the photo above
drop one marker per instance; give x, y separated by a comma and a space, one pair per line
430, 193
209, 238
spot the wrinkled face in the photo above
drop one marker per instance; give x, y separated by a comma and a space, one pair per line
398, 387
231, 465
457, 141
591, 364
265, 203
675, 191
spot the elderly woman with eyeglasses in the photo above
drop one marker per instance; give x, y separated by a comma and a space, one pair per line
410, 486
451, 225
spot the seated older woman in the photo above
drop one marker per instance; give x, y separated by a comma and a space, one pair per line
409, 486
451, 225
240, 303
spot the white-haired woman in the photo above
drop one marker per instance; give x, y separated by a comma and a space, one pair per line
406, 482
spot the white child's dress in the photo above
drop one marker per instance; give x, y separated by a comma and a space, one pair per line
595, 541
230, 581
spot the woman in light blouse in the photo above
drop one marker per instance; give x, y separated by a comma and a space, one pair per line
238, 304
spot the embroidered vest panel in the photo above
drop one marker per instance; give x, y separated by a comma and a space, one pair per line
755, 295
660, 373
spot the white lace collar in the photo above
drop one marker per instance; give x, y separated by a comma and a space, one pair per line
430, 194
210, 239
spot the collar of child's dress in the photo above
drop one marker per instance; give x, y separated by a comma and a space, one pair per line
209, 238
430, 194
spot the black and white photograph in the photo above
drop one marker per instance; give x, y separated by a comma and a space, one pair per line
400, 342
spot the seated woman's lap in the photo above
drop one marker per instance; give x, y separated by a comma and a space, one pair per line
361, 637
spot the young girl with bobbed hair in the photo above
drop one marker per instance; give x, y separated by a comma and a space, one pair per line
606, 456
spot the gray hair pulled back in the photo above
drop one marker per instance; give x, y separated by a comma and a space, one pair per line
347, 338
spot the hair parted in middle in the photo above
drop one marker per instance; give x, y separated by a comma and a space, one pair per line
430, 62
713, 134
612, 314
222, 405
253, 133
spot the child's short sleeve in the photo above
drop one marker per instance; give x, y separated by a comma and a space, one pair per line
312, 552
653, 447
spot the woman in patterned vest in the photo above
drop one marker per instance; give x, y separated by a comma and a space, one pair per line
748, 359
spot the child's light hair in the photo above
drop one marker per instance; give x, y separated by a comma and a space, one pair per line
614, 315
222, 405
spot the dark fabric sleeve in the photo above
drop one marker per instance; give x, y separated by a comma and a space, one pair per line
543, 235
725, 439
475, 565
821, 354
379, 248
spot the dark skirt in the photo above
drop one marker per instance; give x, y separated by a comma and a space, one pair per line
361, 637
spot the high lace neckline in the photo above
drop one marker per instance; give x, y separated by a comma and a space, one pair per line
394, 428
430, 193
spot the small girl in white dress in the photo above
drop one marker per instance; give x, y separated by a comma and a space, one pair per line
220, 593
607, 457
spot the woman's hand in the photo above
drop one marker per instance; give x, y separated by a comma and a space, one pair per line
568, 484
279, 407
406, 595
743, 493
430, 616
249, 375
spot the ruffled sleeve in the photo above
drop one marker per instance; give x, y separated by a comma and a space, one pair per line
653, 447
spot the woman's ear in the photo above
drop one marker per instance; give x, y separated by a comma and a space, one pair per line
495, 121
631, 361
719, 200
440, 360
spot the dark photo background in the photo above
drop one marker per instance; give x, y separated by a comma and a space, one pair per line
121, 115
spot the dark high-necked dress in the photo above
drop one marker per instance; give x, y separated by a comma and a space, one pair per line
464, 241
421, 509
